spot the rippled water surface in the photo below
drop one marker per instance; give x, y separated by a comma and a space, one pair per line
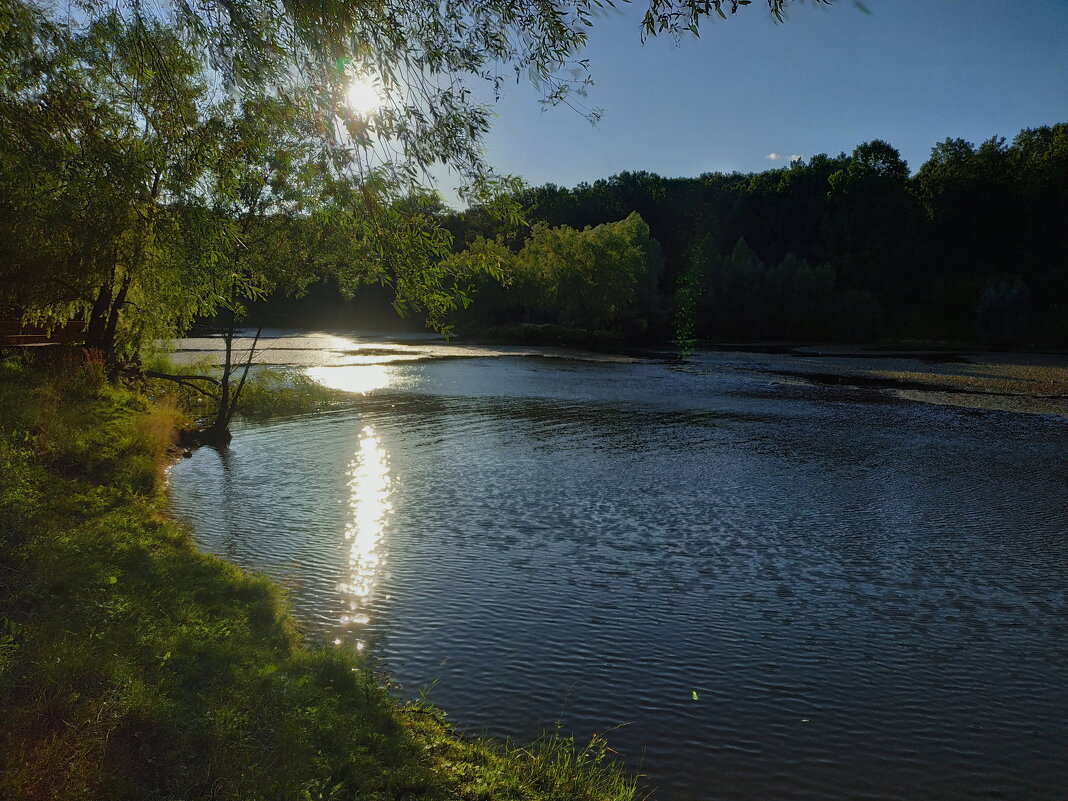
866, 593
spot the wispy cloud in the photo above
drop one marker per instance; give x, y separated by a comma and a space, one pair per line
791, 158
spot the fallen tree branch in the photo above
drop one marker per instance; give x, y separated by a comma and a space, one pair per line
169, 377
187, 381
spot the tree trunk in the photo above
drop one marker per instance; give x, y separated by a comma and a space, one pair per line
244, 374
94, 330
218, 433
107, 342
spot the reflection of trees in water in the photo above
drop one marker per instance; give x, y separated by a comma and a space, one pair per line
230, 501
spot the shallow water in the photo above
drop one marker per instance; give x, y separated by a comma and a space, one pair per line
866, 594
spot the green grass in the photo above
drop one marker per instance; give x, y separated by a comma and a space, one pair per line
269, 391
273, 391
132, 666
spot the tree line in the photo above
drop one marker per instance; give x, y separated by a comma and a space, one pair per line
850, 247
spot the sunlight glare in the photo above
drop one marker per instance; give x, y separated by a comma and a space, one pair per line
355, 378
363, 96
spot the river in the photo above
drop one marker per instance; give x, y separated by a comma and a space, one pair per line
758, 586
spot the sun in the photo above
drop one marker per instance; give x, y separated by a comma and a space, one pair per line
362, 96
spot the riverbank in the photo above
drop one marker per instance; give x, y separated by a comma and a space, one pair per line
134, 666
968, 375
1032, 382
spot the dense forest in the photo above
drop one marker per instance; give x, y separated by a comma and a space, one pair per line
851, 247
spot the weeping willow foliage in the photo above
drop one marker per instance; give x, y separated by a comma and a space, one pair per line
138, 193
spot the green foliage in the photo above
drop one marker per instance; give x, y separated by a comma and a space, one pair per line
591, 278
848, 247
107, 141
493, 280
272, 392
137, 196
268, 392
996, 209
134, 667
424, 59
679, 17
153, 199
688, 295
871, 221
791, 301
156, 199
1003, 315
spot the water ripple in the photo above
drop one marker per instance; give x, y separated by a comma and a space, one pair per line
866, 594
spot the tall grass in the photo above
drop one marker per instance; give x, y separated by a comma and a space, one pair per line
269, 391
132, 666
272, 392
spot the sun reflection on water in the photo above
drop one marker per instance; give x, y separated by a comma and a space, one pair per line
369, 505
358, 378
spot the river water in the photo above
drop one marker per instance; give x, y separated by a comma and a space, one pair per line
759, 587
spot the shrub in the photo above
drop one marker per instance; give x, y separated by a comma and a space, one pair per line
1003, 315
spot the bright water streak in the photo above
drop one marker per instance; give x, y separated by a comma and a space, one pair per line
866, 594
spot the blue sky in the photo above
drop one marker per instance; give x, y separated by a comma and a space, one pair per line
911, 72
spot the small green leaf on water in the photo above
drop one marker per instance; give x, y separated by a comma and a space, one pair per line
694, 694
113, 579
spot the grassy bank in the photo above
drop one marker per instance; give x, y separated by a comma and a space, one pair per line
134, 666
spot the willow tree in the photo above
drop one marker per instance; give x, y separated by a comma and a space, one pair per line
102, 139
594, 277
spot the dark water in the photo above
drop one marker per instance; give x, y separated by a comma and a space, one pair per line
866, 594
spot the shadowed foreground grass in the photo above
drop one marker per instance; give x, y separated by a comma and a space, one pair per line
132, 666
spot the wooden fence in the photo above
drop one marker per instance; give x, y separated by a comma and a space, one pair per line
15, 334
